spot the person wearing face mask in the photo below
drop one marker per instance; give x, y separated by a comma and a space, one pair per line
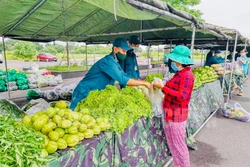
244, 61
130, 64
178, 91
105, 72
215, 59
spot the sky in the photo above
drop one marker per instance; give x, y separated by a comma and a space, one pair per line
227, 13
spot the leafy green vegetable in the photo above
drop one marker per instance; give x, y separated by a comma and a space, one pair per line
122, 108
150, 77
9, 108
20, 145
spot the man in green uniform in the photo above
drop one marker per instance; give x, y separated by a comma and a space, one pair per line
105, 72
130, 65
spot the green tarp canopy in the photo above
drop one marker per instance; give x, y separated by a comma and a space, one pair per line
98, 21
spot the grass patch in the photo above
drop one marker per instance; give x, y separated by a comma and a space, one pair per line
157, 62
66, 69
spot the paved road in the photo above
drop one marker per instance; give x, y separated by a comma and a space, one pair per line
21, 64
224, 142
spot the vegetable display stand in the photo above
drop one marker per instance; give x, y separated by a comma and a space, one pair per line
204, 102
144, 142
97, 151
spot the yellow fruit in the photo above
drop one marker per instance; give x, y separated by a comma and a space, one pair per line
51, 147
61, 104
53, 135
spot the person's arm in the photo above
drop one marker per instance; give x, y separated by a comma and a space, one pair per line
214, 60
243, 61
115, 72
186, 86
134, 82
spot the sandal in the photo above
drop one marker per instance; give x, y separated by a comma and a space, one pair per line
239, 94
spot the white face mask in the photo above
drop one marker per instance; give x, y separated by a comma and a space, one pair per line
243, 54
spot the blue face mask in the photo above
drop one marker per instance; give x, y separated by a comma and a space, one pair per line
174, 67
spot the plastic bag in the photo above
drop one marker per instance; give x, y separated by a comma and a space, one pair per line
21, 76
13, 88
32, 86
23, 87
156, 98
67, 91
9, 108
3, 88
11, 77
32, 80
42, 82
11, 84
22, 81
12, 72
33, 94
52, 83
51, 80
2, 82
35, 106
2, 72
51, 95
59, 79
236, 111
31, 76
58, 89
35, 68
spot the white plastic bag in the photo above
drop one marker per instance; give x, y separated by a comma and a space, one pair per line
35, 68
67, 91
32, 80
31, 76
11, 88
156, 98
236, 111
51, 95
59, 79
42, 81
35, 106
32, 86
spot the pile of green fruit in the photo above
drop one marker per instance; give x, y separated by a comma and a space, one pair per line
64, 127
204, 75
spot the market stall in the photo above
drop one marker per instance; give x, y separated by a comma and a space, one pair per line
143, 142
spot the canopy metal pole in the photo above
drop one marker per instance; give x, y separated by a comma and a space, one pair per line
158, 59
193, 38
86, 58
148, 58
141, 35
171, 43
6, 67
67, 52
233, 61
223, 79
202, 52
94, 54
245, 45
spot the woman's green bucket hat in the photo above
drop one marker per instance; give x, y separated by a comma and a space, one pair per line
181, 54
